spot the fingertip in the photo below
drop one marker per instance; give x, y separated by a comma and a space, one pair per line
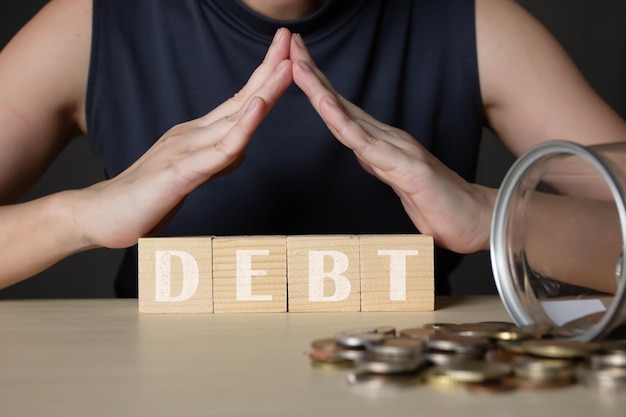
297, 39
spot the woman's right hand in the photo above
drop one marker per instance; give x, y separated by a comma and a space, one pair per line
117, 212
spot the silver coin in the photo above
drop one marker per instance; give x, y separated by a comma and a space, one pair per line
609, 378
397, 347
377, 381
615, 359
359, 340
377, 365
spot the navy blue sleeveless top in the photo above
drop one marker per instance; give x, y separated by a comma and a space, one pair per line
409, 63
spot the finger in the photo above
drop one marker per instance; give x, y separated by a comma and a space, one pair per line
372, 145
316, 85
299, 53
276, 54
233, 143
222, 118
205, 157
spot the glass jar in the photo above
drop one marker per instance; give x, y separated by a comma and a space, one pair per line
557, 238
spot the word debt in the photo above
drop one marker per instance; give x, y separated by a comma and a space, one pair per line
286, 273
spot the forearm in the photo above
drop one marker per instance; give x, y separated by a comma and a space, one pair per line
573, 240
37, 234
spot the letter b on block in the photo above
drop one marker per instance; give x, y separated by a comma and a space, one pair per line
175, 275
323, 273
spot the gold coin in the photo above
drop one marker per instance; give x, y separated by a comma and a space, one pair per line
556, 348
435, 377
476, 371
531, 331
481, 329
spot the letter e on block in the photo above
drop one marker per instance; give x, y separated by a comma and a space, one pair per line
397, 273
250, 274
323, 273
175, 275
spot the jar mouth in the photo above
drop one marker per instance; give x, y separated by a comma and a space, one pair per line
508, 263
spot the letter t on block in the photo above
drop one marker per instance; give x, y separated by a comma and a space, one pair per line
397, 273
175, 275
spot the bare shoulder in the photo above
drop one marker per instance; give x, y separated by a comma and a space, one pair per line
43, 78
532, 90
45, 65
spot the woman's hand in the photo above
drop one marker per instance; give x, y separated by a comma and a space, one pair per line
119, 211
439, 202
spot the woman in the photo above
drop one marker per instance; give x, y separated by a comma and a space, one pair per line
405, 86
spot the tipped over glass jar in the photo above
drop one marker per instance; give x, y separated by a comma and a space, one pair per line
557, 239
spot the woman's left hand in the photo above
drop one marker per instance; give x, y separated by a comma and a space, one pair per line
439, 202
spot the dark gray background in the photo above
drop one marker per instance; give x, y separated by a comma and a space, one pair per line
592, 31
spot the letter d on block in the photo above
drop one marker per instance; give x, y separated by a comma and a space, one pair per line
163, 276
175, 275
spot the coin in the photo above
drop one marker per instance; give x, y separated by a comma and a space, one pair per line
438, 326
609, 378
512, 346
382, 381
386, 330
359, 339
397, 347
534, 385
497, 386
437, 378
420, 333
500, 356
445, 358
481, 329
330, 363
329, 345
377, 365
476, 371
543, 370
530, 331
557, 348
452, 342
615, 359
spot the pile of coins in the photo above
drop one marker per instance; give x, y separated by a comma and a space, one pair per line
484, 358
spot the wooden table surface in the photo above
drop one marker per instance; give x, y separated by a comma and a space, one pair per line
102, 358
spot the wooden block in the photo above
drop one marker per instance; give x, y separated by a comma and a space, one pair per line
175, 275
397, 273
250, 274
323, 273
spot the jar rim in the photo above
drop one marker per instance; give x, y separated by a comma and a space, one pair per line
500, 253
